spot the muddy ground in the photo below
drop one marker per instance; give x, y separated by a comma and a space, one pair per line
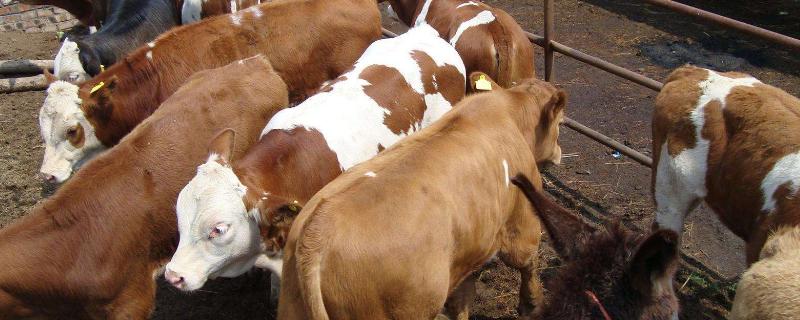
640, 37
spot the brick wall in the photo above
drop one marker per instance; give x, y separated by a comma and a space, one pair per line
15, 16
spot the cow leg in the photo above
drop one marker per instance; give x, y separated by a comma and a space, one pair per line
679, 186
520, 251
136, 301
457, 305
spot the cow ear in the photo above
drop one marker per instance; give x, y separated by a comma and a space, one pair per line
222, 145
284, 214
654, 263
479, 81
563, 226
49, 77
557, 104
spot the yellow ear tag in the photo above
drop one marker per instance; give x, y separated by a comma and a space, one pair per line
293, 206
97, 87
483, 84
102, 68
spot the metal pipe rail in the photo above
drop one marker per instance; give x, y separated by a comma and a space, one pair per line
789, 42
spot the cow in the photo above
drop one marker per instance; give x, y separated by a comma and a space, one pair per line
488, 39
730, 140
194, 10
607, 273
392, 237
92, 250
128, 25
770, 288
115, 101
396, 88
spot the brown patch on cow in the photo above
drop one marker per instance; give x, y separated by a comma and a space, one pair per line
437, 79
674, 104
391, 91
76, 136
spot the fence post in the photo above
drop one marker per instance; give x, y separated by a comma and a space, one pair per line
548, 37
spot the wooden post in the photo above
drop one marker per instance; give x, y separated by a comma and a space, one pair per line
23, 84
23, 66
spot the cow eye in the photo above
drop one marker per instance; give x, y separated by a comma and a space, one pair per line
218, 230
71, 132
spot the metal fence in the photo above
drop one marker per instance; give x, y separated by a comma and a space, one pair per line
551, 46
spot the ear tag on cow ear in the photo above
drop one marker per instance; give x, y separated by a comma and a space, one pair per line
97, 87
482, 83
294, 207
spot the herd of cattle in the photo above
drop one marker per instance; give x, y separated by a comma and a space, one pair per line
375, 176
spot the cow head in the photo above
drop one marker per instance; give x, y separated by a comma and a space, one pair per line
219, 235
535, 96
67, 65
608, 273
68, 135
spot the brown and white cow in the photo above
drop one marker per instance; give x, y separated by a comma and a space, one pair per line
109, 105
488, 39
392, 237
732, 141
92, 250
397, 87
608, 273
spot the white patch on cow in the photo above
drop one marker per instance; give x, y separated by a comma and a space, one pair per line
351, 122
274, 264
214, 197
191, 11
151, 44
149, 55
257, 13
680, 181
233, 6
423, 14
67, 64
371, 174
470, 3
484, 17
505, 172
787, 169
60, 112
236, 19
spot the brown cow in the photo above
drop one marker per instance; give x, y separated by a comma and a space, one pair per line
392, 237
488, 39
732, 141
115, 101
610, 273
397, 87
91, 251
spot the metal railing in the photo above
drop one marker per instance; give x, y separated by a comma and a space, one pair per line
550, 46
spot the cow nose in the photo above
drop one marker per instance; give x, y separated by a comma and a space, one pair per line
173, 278
49, 178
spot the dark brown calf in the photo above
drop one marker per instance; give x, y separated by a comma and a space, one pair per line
91, 251
609, 273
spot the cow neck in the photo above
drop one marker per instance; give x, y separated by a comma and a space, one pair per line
135, 97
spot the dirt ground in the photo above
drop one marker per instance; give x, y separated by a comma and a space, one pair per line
640, 37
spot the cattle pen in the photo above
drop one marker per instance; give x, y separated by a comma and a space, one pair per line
595, 179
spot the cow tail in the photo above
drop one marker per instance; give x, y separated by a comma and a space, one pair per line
310, 249
504, 52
